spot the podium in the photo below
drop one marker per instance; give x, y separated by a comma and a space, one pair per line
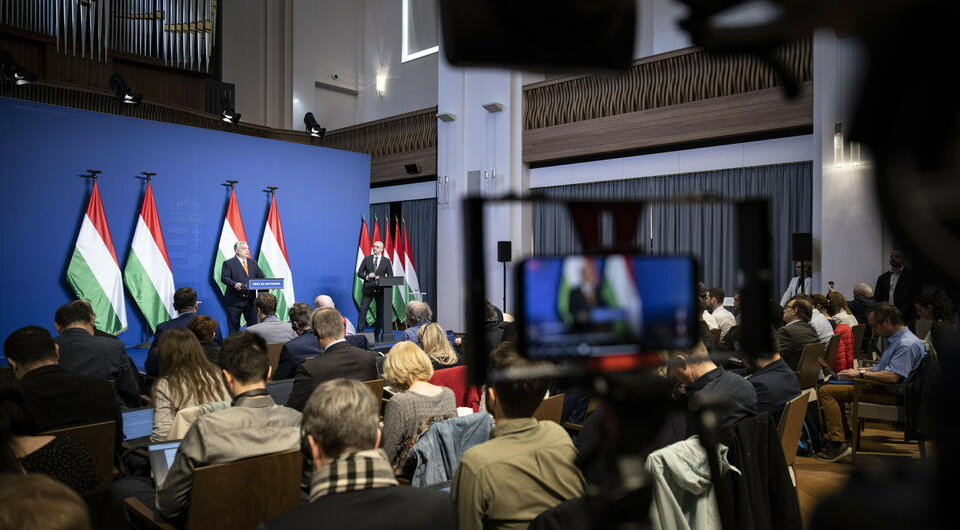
256, 285
386, 312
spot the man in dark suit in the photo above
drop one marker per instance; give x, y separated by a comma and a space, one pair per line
372, 268
235, 273
797, 332
906, 287
57, 397
186, 305
339, 359
774, 381
83, 353
353, 484
301, 348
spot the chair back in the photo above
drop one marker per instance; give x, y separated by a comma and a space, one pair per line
550, 409
100, 439
791, 425
455, 379
833, 346
809, 369
273, 355
224, 496
375, 386
858, 332
715, 339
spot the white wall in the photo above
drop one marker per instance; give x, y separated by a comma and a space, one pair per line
404, 192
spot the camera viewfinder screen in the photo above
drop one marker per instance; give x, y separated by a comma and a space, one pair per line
593, 306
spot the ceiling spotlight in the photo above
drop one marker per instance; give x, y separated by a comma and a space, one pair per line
123, 91
313, 128
228, 114
11, 71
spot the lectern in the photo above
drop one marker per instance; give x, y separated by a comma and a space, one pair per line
386, 312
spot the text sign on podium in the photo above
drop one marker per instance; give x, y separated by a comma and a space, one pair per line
260, 284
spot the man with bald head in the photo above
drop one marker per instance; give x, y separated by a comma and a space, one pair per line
372, 268
322, 301
862, 302
234, 274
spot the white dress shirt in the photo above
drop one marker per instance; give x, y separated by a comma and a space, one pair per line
725, 320
709, 319
821, 325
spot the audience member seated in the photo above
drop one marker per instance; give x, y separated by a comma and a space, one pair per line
862, 302
774, 381
339, 359
322, 301
253, 426
415, 403
186, 305
63, 458
821, 304
725, 319
839, 309
353, 484
937, 308
707, 316
272, 329
797, 332
901, 355
433, 340
703, 329
58, 398
83, 353
418, 314
699, 376
205, 329
818, 320
493, 326
845, 354
36, 502
527, 466
301, 348
187, 379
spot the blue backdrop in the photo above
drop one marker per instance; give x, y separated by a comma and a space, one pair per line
323, 193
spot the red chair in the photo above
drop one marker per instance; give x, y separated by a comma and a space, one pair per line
456, 379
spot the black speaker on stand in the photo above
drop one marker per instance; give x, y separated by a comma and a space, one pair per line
802, 251
504, 255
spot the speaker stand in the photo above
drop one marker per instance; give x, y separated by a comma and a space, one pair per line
504, 308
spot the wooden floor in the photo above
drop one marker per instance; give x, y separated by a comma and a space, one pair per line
817, 480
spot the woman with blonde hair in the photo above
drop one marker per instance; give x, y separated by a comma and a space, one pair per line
414, 405
436, 345
187, 379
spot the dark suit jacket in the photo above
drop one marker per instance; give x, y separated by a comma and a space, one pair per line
366, 267
908, 288
152, 364
792, 338
339, 360
231, 273
859, 307
82, 353
59, 398
295, 352
775, 384
396, 508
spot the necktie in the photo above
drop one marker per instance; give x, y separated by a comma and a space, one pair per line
376, 263
245, 270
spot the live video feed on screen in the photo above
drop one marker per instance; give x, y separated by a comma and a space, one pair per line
593, 306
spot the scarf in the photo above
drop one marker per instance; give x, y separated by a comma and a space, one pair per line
355, 471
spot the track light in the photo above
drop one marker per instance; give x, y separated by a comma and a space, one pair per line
11, 71
123, 91
313, 128
228, 114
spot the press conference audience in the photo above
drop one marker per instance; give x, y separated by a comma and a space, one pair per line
936, 307
818, 320
83, 353
418, 314
843, 359
353, 486
206, 329
862, 302
797, 332
58, 398
701, 377
415, 403
38, 502
271, 328
774, 382
187, 379
725, 319
434, 341
297, 350
186, 305
840, 309
324, 300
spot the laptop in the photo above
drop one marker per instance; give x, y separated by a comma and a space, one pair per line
161, 458
280, 390
137, 423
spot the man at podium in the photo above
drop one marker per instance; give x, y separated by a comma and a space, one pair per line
372, 268
235, 273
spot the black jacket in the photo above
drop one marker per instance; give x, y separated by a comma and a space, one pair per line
792, 338
396, 508
59, 398
775, 384
339, 360
908, 288
82, 353
859, 307
232, 273
295, 352
152, 364
385, 268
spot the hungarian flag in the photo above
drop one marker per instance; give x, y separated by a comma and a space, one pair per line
94, 271
396, 257
231, 233
409, 268
363, 250
619, 290
388, 243
148, 275
376, 232
275, 262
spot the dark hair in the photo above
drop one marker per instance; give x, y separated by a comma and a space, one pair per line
244, 356
184, 298
204, 327
837, 303
15, 420
267, 304
29, 345
518, 398
885, 311
941, 306
300, 315
821, 301
803, 307
716, 293
73, 312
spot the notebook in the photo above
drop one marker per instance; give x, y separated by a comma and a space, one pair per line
161, 458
